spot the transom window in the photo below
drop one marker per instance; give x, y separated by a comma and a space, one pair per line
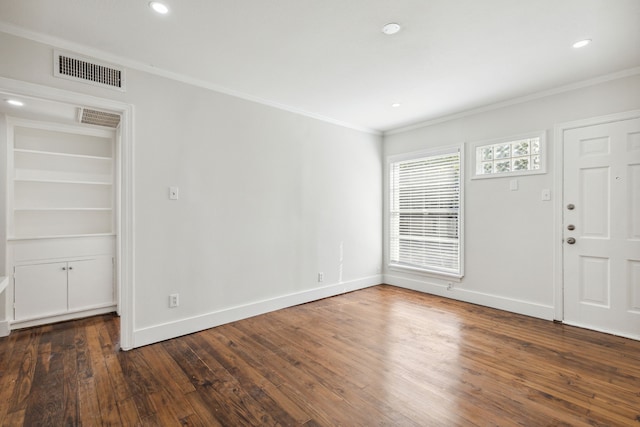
510, 156
425, 213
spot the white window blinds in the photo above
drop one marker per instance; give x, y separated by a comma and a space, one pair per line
425, 213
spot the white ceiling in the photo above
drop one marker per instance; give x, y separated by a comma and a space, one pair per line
330, 58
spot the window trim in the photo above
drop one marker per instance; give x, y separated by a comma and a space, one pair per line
390, 159
543, 155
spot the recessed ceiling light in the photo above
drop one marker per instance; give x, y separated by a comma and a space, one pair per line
391, 28
395, 104
581, 43
15, 102
159, 7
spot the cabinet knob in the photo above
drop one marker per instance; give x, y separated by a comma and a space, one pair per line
70, 268
64, 268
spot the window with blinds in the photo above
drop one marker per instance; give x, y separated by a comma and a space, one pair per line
425, 212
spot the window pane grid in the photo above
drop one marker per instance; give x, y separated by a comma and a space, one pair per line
514, 156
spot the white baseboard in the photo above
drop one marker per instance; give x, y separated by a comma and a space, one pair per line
494, 301
190, 325
4, 328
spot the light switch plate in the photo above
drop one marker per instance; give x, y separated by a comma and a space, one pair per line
173, 193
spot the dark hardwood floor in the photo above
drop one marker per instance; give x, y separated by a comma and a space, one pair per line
380, 356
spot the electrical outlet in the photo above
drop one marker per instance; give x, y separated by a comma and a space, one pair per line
320, 277
174, 300
449, 286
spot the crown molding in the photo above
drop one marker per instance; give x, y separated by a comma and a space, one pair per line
140, 66
519, 100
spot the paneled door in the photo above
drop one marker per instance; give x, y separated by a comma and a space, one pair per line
601, 220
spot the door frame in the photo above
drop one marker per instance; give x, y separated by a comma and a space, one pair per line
125, 230
558, 169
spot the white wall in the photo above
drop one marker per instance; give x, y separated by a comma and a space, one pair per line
509, 234
267, 199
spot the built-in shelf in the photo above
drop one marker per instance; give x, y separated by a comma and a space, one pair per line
59, 209
53, 153
62, 181
61, 173
62, 236
61, 224
58, 222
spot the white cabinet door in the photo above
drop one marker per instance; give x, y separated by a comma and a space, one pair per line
91, 283
40, 290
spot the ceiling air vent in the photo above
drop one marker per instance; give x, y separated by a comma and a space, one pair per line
74, 67
99, 118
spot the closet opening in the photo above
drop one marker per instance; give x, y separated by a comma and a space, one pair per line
63, 213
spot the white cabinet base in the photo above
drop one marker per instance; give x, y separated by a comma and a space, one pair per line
62, 317
60, 279
47, 289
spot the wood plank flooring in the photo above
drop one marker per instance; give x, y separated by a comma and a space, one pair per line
379, 356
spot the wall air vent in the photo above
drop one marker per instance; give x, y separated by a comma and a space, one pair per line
74, 67
98, 118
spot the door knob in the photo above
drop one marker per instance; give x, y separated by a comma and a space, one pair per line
571, 206
571, 240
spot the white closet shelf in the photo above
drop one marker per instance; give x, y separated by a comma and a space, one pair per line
62, 181
60, 209
59, 236
60, 177
53, 153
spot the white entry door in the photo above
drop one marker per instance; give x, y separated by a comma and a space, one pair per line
601, 220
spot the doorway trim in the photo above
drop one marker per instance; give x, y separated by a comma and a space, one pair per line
125, 213
558, 232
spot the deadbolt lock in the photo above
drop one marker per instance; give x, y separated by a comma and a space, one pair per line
571, 206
